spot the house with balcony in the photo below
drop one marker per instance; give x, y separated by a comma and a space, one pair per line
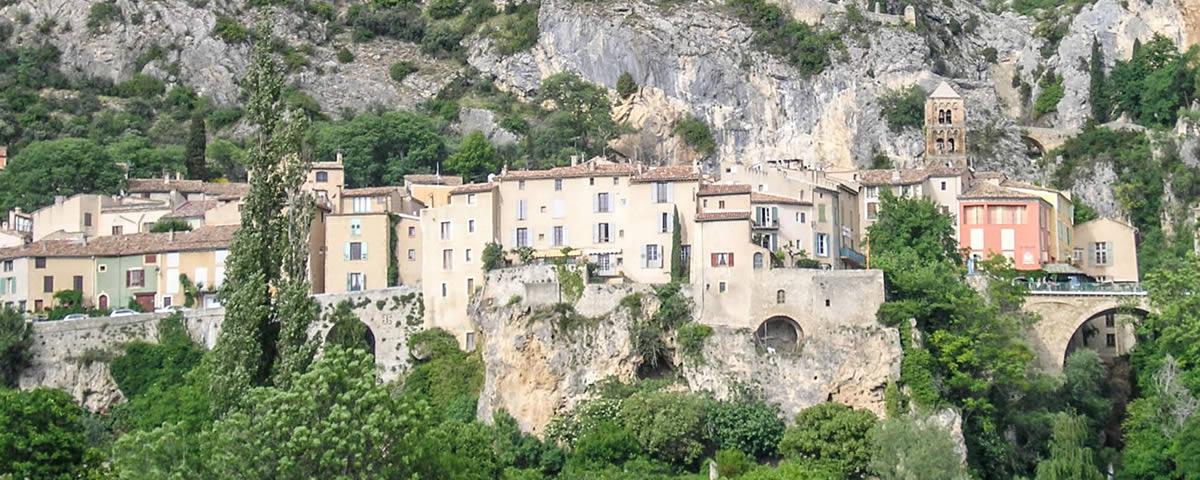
994, 220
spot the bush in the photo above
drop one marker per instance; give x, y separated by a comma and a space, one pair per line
401, 70
440, 9
228, 29
15, 340
696, 134
141, 85
904, 107
902, 446
401, 22
448, 379
751, 426
1051, 93
171, 225
493, 256
43, 435
625, 85
670, 426
518, 30
102, 14
732, 463
344, 55
691, 337
609, 443
145, 364
799, 43
831, 435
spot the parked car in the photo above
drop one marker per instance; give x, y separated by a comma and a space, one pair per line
173, 309
122, 312
76, 316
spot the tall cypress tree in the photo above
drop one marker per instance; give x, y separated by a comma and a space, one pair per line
265, 293
679, 269
1097, 91
197, 142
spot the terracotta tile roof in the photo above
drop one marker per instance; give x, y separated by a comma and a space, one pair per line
158, 185
990, 176
586, 169
873, 178
990, 190
710, 189
1028, 186
473, 188
327, 166
369, 191
204, 238
719, 216
421, 179
756, 197
193, 208
671, 173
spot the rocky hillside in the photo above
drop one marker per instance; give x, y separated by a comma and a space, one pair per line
688, 59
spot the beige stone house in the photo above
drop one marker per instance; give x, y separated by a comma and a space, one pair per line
1107, 250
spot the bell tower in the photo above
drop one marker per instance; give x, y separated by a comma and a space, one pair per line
945, 128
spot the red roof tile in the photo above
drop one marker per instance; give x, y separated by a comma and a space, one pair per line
756, 197
671, 173
586, 169
473, 188
204, 238
710, 189
720, 216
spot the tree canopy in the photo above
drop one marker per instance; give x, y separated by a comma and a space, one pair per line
57, 167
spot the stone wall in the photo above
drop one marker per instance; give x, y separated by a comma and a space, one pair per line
392, 314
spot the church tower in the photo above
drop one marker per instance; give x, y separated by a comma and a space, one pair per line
945, 128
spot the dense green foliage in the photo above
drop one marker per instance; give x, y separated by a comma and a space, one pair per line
379, 149
904, 107
1155, 84
171, 225
474, 159
145, 364
799, 43
57, 167
1051, 93
696, 134
448, 377
42, 435
626, 86
833, 436
15, 340
401, 70
1070, 458
905, 449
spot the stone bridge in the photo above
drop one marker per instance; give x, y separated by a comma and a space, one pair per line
1046, 139
1064, 311
74, 355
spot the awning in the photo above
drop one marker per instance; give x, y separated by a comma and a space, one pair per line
602, 251
1062, 269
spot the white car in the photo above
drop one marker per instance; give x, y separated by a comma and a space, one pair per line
122, 312
172, 309
76, 316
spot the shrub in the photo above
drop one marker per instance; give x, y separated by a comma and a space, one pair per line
732, 463
442, 41
102, 14
832, 435
904, 107
449, 379
171, 225
799, 43
43, 435
625, 85
751, 426
670, 426
493, 256
141, 85
1051, 93
696, 134
401, 22
228, 29
223, 117
691, 337
344, 55
518, 31
145, 364
401, 70
15, 340
609, 443
440, 9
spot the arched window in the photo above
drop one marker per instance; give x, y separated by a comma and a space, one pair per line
758, 260
780, 296
941, 145
949, 116
941, 117
950, 143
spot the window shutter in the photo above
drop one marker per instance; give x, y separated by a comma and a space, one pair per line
670, 193
662, 253
349, 281
364, 281
714, 259
128, 277
364, 250
654, 194
595, 203
566, 240
1111, 253
1091, 255
731, 259
595, 233
346, 250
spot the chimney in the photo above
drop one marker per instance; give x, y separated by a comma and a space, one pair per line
166, 176
339, 157
3, 157
59, 199
896, 175
172, 237
574, 160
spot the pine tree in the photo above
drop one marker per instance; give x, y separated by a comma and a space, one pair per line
1097, 92
679, 269
265, 293
1070, 458
194, 149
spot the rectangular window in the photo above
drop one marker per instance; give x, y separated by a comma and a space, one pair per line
721, 287
662, 192
522, 237
471, 226
117, 229
48, 284
724, 259
361, 204
87, 219
150, 259
558, 184
135, 278
653, 258
1110, 340
522, 211
943, 185
603, 233
467, 255
558, 239
685, 253
412, 232
39, 262
664, 223
906, 191
1100, 253
720, 204
8, 265
356, 251
412, 254
470, 199
322, 177
445, 230
77, 283
520, 185
822, 246
872, 192
801, 217
1078, 255
444, 291
602, 203
872, 211
470, 285
356, 282
973, 215
447, 259
1110, 321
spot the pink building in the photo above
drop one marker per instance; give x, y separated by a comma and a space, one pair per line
998, 220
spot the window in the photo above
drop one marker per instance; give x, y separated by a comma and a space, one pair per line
616, 180
412, 254
355, 227
801, 217
39, 262
1078, 256
167, 301
906, 191
470, 342
822, 246
780, 296
943, 185
592, 181
443, 290
322, 177
87, 219
37, 305
470, 285
467, 255
102, 268
8, 265
720, 204
721, 287
664, 223
117, 230
872, 211
758, 260
356, 282
652, 256
821, 213
973, 215
447, 259
685, 253
150, 258
361, 204
872, 192
602, 203
356, 251
471, 226
724, 259
522, 237
470, 199
520, 185
445, 230
603, 233
1100, 253
135, 277
662, 192
1110, 321
558, 184
77, 283
1110, 340
412, 232
522, 210
559, 237
48, 284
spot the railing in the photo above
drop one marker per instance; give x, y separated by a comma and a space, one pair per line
853, 256
772, 223
1079, 288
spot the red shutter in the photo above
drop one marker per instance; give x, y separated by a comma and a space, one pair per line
714, 259
731, 259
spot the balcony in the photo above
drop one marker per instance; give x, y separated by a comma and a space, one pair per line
1086, 288
852, 257
760, 223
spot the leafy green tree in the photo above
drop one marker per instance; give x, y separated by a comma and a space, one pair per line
447, 378
171, 225
670, 426
474, 159
1052, 92
267, 308
1070, 458
69, 166
753, 427
625, 85
15, 340
144, 364
696, 134
381, 149
609, 443
196, 147
493, 256
144, 159
227, 159
904, 449
1155, 83
347, 330
831, 435
582, 108
679, 268
904, 107
41, 435
1085, 382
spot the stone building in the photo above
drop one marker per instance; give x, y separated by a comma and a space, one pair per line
945, 128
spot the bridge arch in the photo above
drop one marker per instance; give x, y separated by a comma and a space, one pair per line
1062, 315
1105, 331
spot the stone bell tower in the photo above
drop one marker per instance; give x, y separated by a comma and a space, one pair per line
945, 128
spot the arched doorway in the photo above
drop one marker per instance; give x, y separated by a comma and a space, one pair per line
1109, 332
102, 302
780, 334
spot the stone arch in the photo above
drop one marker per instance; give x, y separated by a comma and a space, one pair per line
1033, 146
780, 333
1105, 325
352, 332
